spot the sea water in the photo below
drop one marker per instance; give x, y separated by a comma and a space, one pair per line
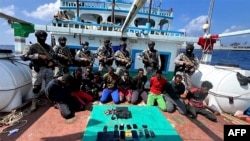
241, 58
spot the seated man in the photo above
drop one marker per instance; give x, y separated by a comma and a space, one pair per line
138, 87
196, 97
157, 83
110, 81
174, 90
97, 83
81, 95
88, 75
124, 84
87, 85
58, 91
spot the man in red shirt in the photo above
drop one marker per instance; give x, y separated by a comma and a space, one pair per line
156, 87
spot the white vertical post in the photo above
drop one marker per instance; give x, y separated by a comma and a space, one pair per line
20, 44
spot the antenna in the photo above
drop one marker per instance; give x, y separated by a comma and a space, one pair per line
210, 14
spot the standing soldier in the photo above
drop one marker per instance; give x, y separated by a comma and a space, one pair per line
186, 64
122, 59
85, 57
105, 55
64, 57
42, 63
151, 59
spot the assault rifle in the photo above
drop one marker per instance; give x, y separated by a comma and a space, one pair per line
64, 51
187, 68
104, 59
88, 59
41, 50
150, 61
37, 49
128, 61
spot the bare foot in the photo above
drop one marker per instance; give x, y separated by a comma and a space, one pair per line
70, 120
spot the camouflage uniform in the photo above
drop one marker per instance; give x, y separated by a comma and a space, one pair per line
62, 52
85, 57
123, 59
105, 55
42, 62
186, 71
151, 59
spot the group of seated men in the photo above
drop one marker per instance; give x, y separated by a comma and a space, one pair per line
168, 95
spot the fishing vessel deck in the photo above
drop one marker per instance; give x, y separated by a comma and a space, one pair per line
46, 124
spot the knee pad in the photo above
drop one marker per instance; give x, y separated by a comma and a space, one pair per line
36, 89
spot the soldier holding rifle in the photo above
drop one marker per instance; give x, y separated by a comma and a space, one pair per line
105, 55
42, 63
151, 59
85, 57
123, 59
64, 57
186, 64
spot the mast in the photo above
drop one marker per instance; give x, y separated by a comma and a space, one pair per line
207, 41
149, 11
77, 10
210, 14
137, 4
113, 12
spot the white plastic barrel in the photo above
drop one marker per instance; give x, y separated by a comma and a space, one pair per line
15, 83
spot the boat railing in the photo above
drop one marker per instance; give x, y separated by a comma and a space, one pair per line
84, 4
157, 11
103, 5
120, 1
110, 27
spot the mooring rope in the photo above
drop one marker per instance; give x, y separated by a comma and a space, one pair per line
15, 126
11, 118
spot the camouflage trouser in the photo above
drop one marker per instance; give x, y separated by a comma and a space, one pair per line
103, 66
186, 79
45, 74
120, 70
149, 71
59, 71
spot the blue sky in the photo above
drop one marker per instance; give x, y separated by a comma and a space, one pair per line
189, 16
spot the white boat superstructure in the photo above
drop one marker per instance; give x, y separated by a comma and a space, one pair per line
93, 22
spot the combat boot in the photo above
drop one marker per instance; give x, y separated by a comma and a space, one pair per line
33, 105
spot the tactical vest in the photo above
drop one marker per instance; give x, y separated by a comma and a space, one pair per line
151, 55
184, 68
121, 55
63, 51
85, 54
107, 53
45, 50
